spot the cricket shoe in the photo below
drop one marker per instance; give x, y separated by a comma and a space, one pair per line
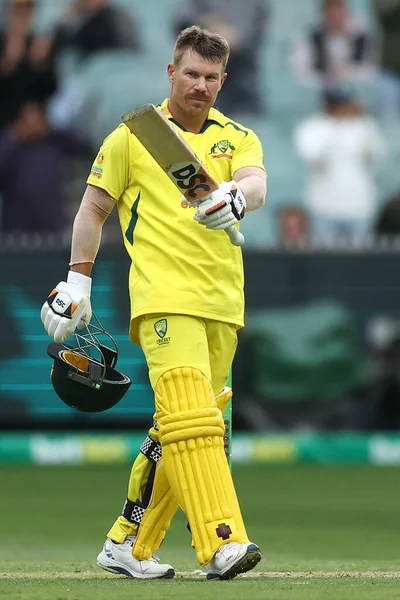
118, 559
232, 559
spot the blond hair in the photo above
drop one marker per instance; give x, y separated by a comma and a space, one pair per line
210, 46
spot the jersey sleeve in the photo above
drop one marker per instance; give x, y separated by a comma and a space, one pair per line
249, 153
111, 168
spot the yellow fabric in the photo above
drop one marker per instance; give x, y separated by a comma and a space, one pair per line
138, 479
152, 220
191, 431
163, 504
157, 518
208, 346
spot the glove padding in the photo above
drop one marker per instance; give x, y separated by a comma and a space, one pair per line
224, 207
68, 307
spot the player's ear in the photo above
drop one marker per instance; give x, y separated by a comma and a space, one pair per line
171, 72
224, 76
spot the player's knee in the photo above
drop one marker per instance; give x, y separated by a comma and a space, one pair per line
186, 407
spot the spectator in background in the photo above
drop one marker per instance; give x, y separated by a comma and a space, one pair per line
243, 24
33, 171
90, 26
293, 225
340, 148
90, 29
26, 72
388, 92
340, 49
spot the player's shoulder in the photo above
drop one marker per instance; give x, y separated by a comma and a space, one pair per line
227, 123
119, 135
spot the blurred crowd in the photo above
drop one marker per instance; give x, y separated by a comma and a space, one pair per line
51, 113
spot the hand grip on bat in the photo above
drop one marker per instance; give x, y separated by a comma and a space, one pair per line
222, 209
237, 238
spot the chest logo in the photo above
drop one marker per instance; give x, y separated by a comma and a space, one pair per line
222, 149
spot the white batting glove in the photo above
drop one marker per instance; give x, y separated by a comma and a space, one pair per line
223, 208
67, 307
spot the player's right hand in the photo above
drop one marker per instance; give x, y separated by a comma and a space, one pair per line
68, 307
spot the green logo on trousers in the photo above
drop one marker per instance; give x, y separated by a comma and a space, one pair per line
161, 328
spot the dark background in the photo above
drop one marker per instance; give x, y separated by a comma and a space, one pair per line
365, 283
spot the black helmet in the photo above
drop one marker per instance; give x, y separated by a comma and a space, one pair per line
84, 377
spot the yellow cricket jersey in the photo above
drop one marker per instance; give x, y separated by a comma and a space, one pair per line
178, 266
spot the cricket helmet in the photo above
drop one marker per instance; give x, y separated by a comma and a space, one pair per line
84, 376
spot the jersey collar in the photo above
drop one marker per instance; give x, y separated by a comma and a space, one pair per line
214, 116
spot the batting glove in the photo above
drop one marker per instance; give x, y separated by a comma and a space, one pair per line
224, 207
67, 307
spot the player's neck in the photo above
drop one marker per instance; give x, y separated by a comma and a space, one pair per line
192, 123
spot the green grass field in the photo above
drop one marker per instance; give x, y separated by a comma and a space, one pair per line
325, 533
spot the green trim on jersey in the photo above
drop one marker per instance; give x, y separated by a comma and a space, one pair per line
236, 126
132, 223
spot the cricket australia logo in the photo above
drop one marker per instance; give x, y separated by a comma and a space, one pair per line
222, 149
160, 328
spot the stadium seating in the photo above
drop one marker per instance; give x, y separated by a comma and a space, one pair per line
133, 79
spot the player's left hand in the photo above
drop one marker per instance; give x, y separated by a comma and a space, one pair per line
223, 208
68, 307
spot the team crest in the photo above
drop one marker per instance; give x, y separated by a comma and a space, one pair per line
222, 149
161, 328
223, 146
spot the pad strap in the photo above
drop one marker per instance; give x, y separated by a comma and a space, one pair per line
151, 449
133, 511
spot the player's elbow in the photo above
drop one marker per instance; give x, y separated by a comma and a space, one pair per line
261, 194
254, 189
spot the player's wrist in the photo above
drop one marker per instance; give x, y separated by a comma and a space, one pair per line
82, 282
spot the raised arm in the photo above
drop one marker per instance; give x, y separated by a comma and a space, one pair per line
253, 183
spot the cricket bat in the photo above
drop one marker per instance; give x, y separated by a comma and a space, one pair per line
228, 426
175, 157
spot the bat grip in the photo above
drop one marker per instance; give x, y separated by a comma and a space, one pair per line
237, 238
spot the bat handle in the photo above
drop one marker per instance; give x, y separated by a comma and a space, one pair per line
237, 238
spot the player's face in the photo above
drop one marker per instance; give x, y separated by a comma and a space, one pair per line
195, 82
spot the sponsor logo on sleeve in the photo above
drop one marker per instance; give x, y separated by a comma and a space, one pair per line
97, 170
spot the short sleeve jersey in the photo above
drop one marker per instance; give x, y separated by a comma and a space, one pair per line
178, 266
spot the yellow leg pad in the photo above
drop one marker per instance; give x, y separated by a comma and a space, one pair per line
191, 433
222, 400
157, 518
163, 504
136, 488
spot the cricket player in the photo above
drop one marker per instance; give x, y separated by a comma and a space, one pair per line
186, 290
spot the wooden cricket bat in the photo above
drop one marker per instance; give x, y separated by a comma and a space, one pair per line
228, 426
175, 156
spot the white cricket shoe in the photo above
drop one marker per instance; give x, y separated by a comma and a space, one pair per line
232, 559
117, 558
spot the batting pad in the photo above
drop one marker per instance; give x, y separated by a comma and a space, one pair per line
140, 481
163, 504
157, 517
191, 431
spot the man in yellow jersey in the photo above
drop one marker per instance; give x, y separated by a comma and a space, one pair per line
186, 290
